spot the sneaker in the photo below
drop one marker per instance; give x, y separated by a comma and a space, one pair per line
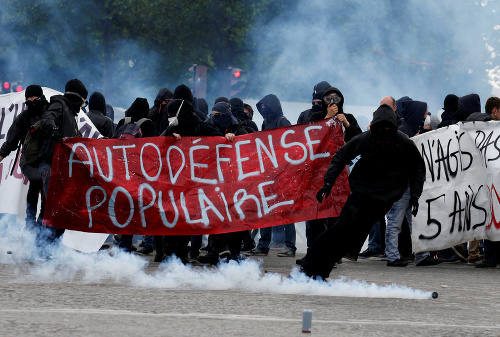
409, 259
368, 253
256, 252
235, 257
429, 261
485, 264
224, 253
247, 248
145, 251
287, 253
211, 258
452, 259
397, 263
472, 262
350, 257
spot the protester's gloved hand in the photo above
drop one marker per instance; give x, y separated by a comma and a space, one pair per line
414, 206
324, 192
56, 135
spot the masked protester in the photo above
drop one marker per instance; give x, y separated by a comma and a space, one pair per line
97, 114
57, 122
317, 96
238, 111
156, 112
36, 104
389, 163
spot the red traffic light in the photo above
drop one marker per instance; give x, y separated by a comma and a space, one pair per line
6, 85
237, 74
19, 88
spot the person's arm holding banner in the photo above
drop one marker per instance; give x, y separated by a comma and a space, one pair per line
416, 178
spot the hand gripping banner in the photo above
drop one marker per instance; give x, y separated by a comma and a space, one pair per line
199, 185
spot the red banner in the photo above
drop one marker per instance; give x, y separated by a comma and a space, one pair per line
199, 185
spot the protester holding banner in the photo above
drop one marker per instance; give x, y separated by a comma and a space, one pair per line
270, 109
36, 104
389, 162
97, 114
58, 122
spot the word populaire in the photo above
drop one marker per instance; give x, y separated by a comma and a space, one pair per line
204, 184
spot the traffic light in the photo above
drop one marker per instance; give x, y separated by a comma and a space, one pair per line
19, 88
199, 80
236, 82
5, 87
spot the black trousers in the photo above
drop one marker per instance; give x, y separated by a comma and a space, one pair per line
353, 225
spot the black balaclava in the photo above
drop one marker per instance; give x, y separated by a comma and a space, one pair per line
97, 102
318, 95
138, 110
222, 99
183, 92
203, 106
384, 125
181, 110
238, 108
399, 104
450, 103
36, 106
76, 93
225, 118
270, 107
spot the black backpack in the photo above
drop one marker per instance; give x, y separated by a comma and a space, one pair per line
144, 127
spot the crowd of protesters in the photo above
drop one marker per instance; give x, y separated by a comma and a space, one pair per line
386, 181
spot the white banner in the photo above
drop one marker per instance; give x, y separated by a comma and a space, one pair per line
13, 188
460, 201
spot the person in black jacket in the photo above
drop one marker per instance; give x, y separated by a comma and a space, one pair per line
97, 114
36, 103
57, 122
270, 108
238, 111
224, 245
183, 122
333, 107
450, 113
389, 163
319, 90
183, 92
156, 112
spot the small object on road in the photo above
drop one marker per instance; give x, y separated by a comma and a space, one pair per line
9, 252
434, 295
306, 320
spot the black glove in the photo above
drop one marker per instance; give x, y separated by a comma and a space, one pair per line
56, 135
324, 192
414, 206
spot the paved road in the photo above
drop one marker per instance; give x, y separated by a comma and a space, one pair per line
64, 299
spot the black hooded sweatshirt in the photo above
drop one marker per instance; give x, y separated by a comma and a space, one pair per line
22, 123
467, 105
413, 113
383, 172
353, 128
97, 114
319, 89
238, 111
270, 108
156, 112
450, 113
182, 91
189, 124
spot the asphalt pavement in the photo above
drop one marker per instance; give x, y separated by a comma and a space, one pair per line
40, 299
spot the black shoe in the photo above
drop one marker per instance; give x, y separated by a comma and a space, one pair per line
211, 258
351, 257
397, 263
368, 253
132, 248
235, 257
429, 261
485, 264
205, 248
158, 258
247, 248
145, 251
299, 261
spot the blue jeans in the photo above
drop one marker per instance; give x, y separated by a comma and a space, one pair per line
375, 238
266, 235
395, 217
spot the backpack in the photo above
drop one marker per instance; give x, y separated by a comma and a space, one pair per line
129, 130
32, 144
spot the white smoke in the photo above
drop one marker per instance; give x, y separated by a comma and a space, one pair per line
130, 270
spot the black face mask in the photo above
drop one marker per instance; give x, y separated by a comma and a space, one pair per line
383, 136
317, 107
35, 106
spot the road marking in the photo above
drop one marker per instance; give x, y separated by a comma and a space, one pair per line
91, 311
